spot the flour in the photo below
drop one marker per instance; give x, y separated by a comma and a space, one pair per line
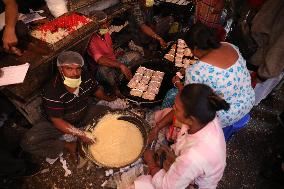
118, 142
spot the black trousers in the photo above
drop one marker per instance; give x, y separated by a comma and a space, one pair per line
10, 164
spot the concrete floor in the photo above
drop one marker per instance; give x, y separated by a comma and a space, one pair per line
251, 149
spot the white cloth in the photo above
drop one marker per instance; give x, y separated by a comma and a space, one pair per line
57, 7
263, 89
201, 159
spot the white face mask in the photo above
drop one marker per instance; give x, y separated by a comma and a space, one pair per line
72, 83
149, 3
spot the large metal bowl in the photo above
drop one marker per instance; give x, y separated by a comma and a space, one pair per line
140, 123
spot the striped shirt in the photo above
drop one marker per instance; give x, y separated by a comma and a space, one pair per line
60, 103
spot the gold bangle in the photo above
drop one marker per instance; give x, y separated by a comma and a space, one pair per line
176, 83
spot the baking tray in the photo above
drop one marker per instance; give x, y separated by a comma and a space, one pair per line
158, 65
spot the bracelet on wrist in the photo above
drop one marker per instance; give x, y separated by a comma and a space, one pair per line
176, 83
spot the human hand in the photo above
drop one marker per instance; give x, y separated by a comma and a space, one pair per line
170, 157
153, 135
10, 41
87, 139
182, 71
148, 157
176, 79
162, 43
126, 71
169, 161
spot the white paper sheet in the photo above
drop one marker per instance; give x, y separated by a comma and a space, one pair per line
14, 74
34, 16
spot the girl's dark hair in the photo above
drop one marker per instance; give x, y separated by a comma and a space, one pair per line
202, 37
201, 102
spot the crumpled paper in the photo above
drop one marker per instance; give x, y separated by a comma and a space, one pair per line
62, 161
123, 180
64, 165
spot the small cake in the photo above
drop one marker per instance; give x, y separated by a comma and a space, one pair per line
181, 41
157, 79
180, 65
148, 96
145, 80
179, 55
172, 52
142, 86
139, 83
148, 73
153, 90
136, 92
180, 51
154, 84
187, 52
141, 70
178, 60
137, 77
159, 74
181, 46
132, 83
169, 57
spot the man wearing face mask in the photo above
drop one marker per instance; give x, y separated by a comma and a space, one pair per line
142, 24
68, 107
108, 69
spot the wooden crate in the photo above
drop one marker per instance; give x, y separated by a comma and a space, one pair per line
72, 37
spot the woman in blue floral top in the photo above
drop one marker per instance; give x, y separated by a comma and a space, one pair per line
222, 67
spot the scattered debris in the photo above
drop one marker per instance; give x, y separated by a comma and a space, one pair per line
64, 165
82, 162
44, 171
109, 172
50, 160
116, 104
